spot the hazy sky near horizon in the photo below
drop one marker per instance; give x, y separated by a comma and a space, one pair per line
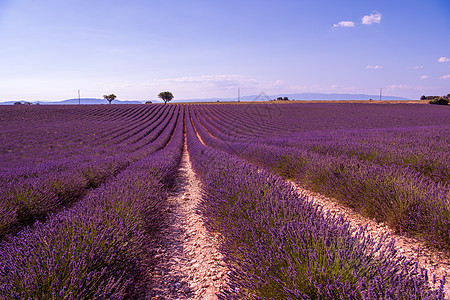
50, 49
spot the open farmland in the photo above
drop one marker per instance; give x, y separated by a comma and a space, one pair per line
85, 191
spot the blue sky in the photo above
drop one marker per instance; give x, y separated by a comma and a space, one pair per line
50, 49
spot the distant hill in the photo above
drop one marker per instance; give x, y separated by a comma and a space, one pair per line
260, 97
91, 101
319, 96
300, 96
75, 101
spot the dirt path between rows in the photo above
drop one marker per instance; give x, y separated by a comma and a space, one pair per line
436, 263
187, 264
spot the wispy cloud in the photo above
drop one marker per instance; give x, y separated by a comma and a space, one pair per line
399, 87
417, 67
443, 59
344, 24
445, 77
203, 86
422, 88
376, 67
219, 85
374, 17
223, 81
424, 77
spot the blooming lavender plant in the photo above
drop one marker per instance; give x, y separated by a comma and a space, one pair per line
95, 248
280, 246
32, 193
389, 189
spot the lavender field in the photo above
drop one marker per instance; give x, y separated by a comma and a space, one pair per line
83, 191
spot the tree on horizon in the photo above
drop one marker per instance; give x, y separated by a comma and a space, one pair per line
166, 96
110, 97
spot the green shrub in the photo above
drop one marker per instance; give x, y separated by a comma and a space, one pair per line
440, 100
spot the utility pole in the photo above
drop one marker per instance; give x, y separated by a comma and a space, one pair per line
239, 94
79, 99
381, 92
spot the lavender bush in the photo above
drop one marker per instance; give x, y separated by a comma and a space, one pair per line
95, 248
32, 193
390, 189
280, 246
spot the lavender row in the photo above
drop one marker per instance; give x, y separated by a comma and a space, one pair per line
427, 154
322, 117
422, 148
259, 120
402, 198
70, 137
96, 249
67, 138
137, 125
27, 200
35, 129
278, 245
54, 166
396, 138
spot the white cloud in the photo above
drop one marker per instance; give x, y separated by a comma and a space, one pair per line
445, 77
443, 59
399, 86
424, 77
429, 89
344, 24
203, 86
374, 67
222, 81
374, 17
219, 85
417, 67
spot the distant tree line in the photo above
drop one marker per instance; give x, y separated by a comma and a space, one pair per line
443, 100
23, 103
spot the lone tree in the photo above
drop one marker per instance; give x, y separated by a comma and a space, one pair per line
110, 97
166, 96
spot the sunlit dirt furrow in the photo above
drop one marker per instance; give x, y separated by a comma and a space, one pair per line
187, 264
